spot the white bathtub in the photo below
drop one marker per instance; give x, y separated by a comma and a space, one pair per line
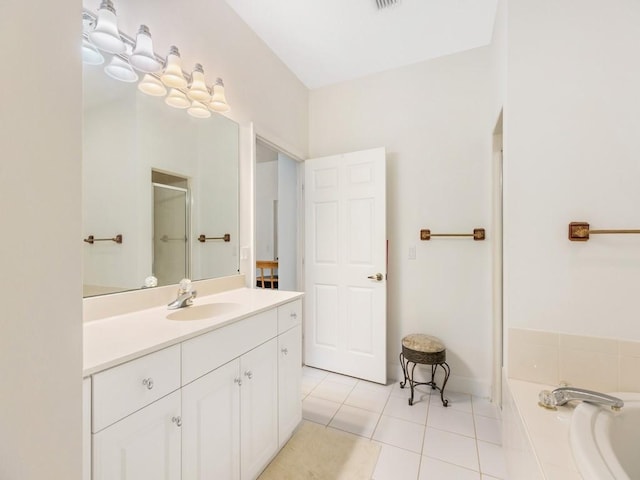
605, 443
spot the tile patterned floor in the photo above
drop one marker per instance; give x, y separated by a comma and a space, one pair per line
421, 442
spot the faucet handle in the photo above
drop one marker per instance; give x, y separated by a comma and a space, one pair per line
184, 286
547, 400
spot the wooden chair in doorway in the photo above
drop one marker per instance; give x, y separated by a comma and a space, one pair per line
271, 279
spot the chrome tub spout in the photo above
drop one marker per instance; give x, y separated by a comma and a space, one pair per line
562, 395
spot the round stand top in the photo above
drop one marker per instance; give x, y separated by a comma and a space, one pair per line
420, 342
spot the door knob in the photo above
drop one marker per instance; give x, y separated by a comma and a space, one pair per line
377, 277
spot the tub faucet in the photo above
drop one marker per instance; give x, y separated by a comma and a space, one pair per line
186, 294
562, 395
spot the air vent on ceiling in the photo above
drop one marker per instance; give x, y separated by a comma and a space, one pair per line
385, 3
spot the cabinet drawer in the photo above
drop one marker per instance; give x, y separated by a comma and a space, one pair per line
122, 390
289, 315
207, 352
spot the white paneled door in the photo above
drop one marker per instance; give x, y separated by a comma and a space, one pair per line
345, 264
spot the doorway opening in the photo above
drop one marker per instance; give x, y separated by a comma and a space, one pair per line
170, 227
277, 222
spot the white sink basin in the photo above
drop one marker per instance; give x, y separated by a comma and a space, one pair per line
202, 312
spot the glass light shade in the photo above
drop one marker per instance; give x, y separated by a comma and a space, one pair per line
198, 110
172, 75
198, 88
90, 54
142, 58
121, 70
152, 86
106, 35
177, 99
218, 101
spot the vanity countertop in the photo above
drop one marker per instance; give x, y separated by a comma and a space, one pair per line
111, 341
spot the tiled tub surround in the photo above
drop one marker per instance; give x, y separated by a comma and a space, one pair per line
602, 364
536, 440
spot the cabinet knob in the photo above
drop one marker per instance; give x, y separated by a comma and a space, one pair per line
293, 315
177, 421
148, 382
238, 381
284, 350
248, 374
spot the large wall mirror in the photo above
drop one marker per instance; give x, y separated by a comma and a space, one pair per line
161, 179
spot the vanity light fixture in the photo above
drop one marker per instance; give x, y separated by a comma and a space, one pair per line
100, 30
198, 110
121, 70
172, 75
197, 88
105, 35
177, 99
90, 54
152, 86
218, 101
143, 58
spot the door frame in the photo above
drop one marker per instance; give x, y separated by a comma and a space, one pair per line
280, 146
498, 261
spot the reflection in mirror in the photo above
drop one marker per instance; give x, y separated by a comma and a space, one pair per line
133, 146
170, 228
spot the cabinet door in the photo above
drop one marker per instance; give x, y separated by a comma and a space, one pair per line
211, 425
289, 383
144, 445
86, 428
259, 408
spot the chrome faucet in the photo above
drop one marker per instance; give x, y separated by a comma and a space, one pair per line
562, 395
186, 294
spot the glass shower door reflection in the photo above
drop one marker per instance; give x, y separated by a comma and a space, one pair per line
170, 234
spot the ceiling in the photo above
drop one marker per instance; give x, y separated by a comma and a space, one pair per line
331, 41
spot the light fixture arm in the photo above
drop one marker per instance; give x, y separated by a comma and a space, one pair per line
203, 91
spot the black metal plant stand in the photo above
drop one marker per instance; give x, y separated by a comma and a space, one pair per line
435, 359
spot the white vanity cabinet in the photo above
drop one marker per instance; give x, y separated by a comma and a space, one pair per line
231, 413
218, 405
211, 425
259, 409
145, 445
289, 369
86, 428
229, 416
136, 418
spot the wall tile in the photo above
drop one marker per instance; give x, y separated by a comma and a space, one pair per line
533, 356
589, 369
591, 344
602, 364
629, 374
630, 349
538, 337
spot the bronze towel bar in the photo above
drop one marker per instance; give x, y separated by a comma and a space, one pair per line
91, 239
580, 231
202, 238
478, 234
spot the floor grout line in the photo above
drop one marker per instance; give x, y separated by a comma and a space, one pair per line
422, 454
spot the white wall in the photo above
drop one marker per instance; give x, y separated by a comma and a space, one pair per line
571, 154
436, 120
40, 247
